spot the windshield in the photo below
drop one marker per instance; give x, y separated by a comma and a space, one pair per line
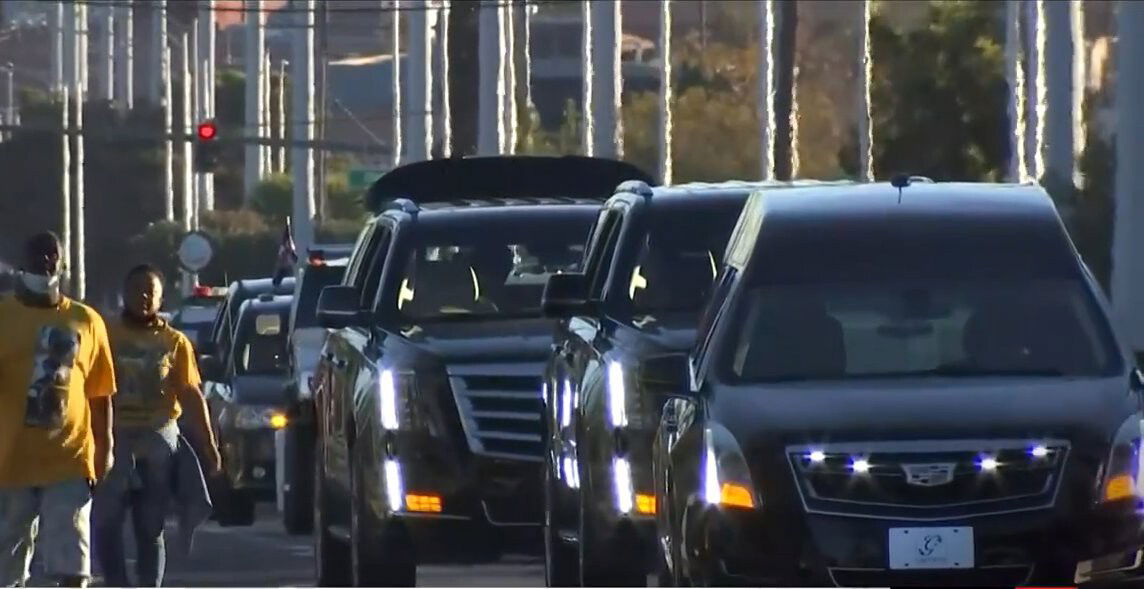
264, 354
314, 279
679, 256
865, 309
195, 316
498, 272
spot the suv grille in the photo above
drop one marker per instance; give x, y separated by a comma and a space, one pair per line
501, 414
929, 483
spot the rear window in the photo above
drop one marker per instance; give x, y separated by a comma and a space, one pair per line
982, 301
314, 279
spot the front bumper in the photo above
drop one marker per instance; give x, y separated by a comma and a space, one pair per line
249, 457
1046, 546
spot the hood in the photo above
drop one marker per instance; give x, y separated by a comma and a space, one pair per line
674, 332
502, 340
1085, 411
260, 390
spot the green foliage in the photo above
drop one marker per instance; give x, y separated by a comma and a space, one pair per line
273, 197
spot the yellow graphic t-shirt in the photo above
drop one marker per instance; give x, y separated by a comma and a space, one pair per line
52, 361
152, 364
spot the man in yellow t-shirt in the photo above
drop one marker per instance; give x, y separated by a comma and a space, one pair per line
56, 382
158, 379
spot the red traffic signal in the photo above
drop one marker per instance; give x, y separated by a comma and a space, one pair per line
207, 131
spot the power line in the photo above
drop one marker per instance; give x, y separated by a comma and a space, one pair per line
294, 10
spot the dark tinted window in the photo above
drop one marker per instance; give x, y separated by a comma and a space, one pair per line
314, 279
263, 346
920, 299
493, 271
679, 255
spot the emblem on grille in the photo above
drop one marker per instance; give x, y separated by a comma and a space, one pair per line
929, 475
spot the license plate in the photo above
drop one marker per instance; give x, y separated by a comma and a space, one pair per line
931, 548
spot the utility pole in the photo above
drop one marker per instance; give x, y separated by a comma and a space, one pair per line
785, 133
105, 53
865, 122
264, 115
398, 118
1059, 140
165, 95
281, 107
158, 42
1128, 239
1079, 74
1016, 82
10, 100
508, 79
65, 62
603, 83
490, 129
442, 123
319, 157
206, 91
766, 76
666, 98
186, 126
420, 124
57, 29
252, 126
1035, 88
79, 203
124, 58
526, 10
302, 108
464, 76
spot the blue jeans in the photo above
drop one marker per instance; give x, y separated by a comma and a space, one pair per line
141, 481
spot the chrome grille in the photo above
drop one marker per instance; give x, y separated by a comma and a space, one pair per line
948, 478
500, 413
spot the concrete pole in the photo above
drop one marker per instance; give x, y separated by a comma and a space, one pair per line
165, 101
666, 96
158, 40
490, 100
1016, 81
1059, 143
865, 119
252, 63
418, 124
1080, 72
105, 53
1128, 237
206, 60
79, 204
508, 92
281, 108
1035, 88
395, 50
526, 74
57, 29
65, 54
124, 58
264, 120
186, 180
442, 114
766, 78
302, 108
603, 132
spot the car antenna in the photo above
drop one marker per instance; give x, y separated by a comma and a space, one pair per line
900, 181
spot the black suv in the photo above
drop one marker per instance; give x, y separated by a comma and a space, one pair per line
218, 344
248, 404
428, 394
325, 265
900, 384
652, 257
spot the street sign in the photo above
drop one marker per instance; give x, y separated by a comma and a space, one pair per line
362, 178
195, 251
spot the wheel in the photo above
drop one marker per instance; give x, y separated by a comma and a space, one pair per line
331, 556
381, 556
298, 492
561, 561
237, 508
599, 565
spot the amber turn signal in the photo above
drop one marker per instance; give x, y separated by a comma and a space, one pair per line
734, 495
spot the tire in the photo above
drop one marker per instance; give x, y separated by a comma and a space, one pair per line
561, 562
237, 508
597, 571
298, 495
381, 556
331, 556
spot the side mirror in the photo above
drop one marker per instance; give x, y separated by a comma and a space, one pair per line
211, 368
566, 295
669, 373
339, 307
208, 348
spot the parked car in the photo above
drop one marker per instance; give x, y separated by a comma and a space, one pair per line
197, 314
248, 404
428, 393
906, 384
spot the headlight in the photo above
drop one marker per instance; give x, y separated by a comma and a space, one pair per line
260, 418
396, 406
627, 406
726, 478
1122, 474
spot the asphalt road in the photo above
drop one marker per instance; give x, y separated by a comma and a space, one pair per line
263, 555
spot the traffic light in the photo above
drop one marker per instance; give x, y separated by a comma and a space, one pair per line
206, 147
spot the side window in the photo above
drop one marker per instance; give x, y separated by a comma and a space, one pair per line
746, 231
371, 271
601, 246
360, 251
716, 306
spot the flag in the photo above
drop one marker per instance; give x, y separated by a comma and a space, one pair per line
287, 255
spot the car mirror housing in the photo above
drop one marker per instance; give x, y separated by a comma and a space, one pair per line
339, 307
207, 348
667, 372
566, 295
210, 367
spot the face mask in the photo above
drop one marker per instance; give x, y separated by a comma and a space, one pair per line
39, 284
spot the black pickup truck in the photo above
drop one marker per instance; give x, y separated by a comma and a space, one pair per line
427, 396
